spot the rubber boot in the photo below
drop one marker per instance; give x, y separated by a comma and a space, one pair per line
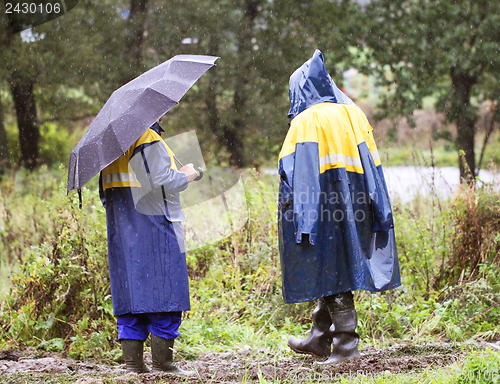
345, 340
319, 340
133, 355
162, 353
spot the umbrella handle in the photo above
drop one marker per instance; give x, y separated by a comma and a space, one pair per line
199, 171
200, 174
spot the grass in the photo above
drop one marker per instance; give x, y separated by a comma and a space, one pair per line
7, 269
398, 156
235, 285
439, 152
478, 367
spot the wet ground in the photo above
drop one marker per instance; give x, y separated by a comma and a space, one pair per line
243, 366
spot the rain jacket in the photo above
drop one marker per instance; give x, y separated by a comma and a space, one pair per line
147, 262
336, 229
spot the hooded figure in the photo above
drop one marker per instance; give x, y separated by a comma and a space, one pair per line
147, 263
336, 230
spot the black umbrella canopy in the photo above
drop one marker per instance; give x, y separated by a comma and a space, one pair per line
130, 111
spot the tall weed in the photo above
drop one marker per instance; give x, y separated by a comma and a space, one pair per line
476, 237
61, 294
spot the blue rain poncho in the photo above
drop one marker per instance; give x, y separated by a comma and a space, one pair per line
147, 262
336, 229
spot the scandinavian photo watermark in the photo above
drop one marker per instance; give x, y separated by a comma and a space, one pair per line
321, 206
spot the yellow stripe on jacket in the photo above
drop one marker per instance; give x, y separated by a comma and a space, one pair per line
338, 129
120, 174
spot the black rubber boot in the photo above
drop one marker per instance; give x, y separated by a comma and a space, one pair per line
133, 355
345, 340
319, 340
163, 356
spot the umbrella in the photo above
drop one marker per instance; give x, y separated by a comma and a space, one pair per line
130, 111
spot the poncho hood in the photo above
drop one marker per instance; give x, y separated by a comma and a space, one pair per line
311, 84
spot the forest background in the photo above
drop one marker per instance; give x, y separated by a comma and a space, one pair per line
426, 73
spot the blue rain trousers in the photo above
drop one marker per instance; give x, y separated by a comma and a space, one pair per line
137, 326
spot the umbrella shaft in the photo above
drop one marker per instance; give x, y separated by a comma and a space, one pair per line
176, 159
199, 171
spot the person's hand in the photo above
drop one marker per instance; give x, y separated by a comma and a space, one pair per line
189, 170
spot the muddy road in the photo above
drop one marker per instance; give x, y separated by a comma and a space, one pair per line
244, 366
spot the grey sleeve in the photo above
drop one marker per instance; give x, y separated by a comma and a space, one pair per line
151, 164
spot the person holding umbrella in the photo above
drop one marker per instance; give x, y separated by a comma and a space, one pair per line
147, 262
139, 186
336, 230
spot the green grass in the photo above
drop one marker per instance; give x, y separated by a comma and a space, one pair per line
442, 153
7, 269
236, 284
395, 156
478, 367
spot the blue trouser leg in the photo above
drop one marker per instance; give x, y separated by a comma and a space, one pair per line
165, 324
137, 326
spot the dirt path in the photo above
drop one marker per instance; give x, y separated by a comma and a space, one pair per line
243, 366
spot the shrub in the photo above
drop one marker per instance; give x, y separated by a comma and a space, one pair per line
62, 290
476, 234
54, 148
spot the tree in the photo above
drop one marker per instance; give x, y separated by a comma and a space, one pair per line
21, 82
3, 142
243, 102
22, 90
436, 48
4, 155
241, 106
134, 32
63, 69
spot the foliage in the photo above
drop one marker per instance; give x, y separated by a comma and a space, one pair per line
432, 301
236, 285
70, 75
60, 296
476, 241
53, 72
480, 368
447, 50
24, 217
55, 144
242, 103
54, 149
76, 61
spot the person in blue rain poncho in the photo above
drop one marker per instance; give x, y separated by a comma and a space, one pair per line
336, 229
147, 262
